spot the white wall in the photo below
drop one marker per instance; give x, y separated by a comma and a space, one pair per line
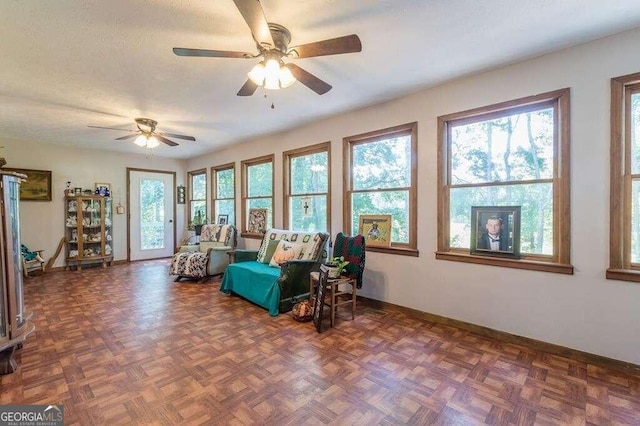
42, 223
583, 311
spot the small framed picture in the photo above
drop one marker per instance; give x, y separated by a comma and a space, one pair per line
376, 229
182, 194
495, 231
103, 189
77, 191
223, 219
103, 185
257, 221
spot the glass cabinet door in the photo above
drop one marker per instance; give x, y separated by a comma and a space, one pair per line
92, 235
71, 226
108, 250
12, 198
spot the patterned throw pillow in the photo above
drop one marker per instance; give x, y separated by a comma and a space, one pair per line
268, 236
271, 248
285, 251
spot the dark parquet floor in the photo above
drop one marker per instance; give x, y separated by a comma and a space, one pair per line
127, 345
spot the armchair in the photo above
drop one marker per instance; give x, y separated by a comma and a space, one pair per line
209, 257
31, 260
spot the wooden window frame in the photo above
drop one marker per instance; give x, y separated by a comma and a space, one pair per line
214, 189
410, 129
286, 179
559, 261
245, 164
621, 180
190, 175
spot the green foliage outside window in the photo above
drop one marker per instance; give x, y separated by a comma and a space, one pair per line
309, 179
505, 161
260, 189
151, 214
198, 214
260, 180
635, 186
381, 182
225, 202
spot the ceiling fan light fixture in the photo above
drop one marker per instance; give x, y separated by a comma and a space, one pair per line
141, 141
272, 75
152, 142
286, 77
257, 73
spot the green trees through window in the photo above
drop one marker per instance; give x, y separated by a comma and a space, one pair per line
151, 214
198, 197
382, 180
257, 187
515, 153
307, 188
504, 161
624, 245
224, 192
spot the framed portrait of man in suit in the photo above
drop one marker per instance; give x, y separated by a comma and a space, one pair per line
495, 231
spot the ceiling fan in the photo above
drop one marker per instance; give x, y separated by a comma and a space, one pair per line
146, 135
272, 41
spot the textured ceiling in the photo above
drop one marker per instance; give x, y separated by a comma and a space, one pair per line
67, 64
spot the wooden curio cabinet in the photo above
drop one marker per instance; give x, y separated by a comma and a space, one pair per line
88, 230
15, 324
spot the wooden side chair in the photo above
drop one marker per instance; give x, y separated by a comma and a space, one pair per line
343, 290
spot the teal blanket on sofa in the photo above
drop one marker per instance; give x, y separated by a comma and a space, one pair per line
255, 281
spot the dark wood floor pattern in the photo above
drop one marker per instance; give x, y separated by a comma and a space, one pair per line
127, 345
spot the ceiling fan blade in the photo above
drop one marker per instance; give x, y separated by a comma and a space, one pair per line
248, 89
165, 140
183, 51
112, 128
253, 14
309, 80
121, 138
171, 135
334, 46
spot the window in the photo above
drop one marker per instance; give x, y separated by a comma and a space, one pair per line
306, 188
624, 262
198, 196
511, 154
257, 191
223, 184
381, 178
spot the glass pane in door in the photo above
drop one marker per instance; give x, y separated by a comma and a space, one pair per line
152, 223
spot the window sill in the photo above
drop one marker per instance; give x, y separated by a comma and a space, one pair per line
401, 251
532, 265
632, 275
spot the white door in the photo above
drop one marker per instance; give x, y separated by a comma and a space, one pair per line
151, 221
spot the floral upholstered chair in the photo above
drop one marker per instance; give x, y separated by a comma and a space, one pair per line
209, 257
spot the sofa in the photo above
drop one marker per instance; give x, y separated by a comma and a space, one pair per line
276, 276
209, 256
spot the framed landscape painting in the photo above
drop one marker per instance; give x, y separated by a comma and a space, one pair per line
37, 187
